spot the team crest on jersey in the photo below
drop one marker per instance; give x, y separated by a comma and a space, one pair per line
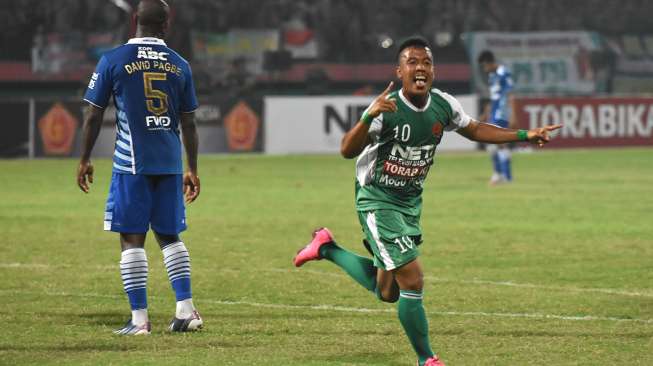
437, 131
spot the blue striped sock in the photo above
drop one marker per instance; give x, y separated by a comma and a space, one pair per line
133, 269
496, 165
504, 163
177, 262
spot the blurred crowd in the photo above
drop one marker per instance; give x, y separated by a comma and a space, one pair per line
354, 30
345, 30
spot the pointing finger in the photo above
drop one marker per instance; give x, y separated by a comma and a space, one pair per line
388, 89
553, 127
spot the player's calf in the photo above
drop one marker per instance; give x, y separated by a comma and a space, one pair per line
177, 262
134, 270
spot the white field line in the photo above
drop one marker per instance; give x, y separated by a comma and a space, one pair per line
52, 266
348, 309
609, 291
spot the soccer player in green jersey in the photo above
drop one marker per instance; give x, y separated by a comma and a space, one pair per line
395, 141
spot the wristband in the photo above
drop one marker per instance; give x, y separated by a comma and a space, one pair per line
366, 118
522, 135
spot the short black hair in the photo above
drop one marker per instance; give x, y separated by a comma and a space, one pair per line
414, 41
486, 57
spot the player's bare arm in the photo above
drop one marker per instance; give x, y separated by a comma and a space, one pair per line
191, 143
356, 139
488, 133
90, 131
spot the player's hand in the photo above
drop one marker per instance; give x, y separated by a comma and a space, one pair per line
382, 103
84, 175
191, 186
540, 136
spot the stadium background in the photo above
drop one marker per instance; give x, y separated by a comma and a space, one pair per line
568, 278
332, 48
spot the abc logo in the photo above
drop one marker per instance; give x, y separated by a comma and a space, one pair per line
152, 55
157, 121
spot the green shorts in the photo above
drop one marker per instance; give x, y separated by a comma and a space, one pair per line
392, 235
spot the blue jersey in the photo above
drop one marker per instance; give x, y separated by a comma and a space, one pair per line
151, 85
500, 83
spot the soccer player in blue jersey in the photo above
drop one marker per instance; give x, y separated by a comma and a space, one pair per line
498, 112
152, 88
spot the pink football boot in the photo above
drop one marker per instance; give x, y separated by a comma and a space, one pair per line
433, 361
312, 251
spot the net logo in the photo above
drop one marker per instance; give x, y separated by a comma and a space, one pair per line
413, 152
157, 121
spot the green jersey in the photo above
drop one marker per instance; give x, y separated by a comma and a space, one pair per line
390, 172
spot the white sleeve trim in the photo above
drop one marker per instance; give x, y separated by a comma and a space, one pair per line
460, 119
375, 127
89, 102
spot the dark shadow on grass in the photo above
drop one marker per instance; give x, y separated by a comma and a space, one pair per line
112, 319
82, 347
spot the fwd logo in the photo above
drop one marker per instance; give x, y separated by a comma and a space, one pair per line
157, 121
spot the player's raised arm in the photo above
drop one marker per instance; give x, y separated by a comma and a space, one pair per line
90, 131
487, 133
355, 139
191, 143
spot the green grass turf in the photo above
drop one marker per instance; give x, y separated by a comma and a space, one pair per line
556, 268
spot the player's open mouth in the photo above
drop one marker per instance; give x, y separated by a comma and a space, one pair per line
420, 81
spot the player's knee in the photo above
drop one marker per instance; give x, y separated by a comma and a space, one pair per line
124, 245
417, 284
413, 282
166, 239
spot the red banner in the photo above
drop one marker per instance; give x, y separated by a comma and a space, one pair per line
590, 121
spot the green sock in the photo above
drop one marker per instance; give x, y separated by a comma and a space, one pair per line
413, 319
359, 268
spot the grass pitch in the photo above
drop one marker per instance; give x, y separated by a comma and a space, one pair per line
556, 268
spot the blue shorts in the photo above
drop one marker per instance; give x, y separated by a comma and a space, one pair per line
137, 201
501, 123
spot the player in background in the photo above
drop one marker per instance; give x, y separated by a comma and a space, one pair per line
498, 112
153, 91
395, 141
